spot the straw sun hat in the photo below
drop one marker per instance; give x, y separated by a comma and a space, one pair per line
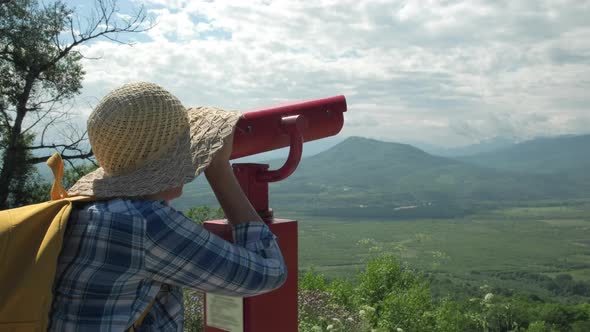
145, 142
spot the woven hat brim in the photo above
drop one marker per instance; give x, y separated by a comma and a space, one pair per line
180, 163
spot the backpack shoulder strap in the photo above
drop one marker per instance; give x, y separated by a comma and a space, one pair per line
57, 167
57, 190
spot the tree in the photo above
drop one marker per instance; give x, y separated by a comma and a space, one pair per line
40, 72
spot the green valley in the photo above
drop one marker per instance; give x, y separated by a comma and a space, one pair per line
465, 222
516, 250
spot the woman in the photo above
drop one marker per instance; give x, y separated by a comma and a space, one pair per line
129, 252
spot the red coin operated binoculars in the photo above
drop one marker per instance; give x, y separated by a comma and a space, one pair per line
260, 131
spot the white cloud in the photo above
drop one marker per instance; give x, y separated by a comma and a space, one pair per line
445, 72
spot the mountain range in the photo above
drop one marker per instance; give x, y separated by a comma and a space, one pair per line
483, 146
369, 178
539, 156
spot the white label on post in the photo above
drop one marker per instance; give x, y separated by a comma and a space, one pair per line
225, 312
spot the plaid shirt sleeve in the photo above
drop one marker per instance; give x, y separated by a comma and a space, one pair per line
182, 253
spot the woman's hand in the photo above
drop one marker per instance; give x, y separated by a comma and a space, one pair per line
220, 161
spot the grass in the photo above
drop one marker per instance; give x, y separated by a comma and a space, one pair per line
469, 251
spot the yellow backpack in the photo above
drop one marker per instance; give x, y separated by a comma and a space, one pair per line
30, 242
31, 238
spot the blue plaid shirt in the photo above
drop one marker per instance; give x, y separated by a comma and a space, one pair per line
118, 255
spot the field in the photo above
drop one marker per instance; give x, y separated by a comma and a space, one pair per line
516, 250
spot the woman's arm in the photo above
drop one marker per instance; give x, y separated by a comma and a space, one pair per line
180, 252
230, 195
183, 253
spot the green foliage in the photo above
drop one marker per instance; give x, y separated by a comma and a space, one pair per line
561, 285
389, 297
382, 276
310, 280
562, 316
73, 174
500, 313
22, 189
37, 190
400, 299
580, 326
28, 36
318, 311
408, 309
33, 190
450, 316
539, 326
203, 213
193, 310
341, 289
564, 284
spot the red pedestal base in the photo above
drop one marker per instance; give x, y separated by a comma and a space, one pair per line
276, 310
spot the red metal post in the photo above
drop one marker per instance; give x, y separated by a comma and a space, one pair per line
256, 191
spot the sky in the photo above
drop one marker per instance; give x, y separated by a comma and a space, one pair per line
447, 73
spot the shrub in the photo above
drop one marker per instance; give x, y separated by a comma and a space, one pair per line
311, 280
318, 311
389, 297
193, 310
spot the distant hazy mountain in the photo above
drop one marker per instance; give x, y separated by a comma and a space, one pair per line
484, 146
366, 177
551, 155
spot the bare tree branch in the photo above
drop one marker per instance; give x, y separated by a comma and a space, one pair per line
117, 41
89, 57
45, 129
74, 146
72, 165
72, 30
105, 18
40, 118
78, 169
64, 157
90, 159
50, 146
